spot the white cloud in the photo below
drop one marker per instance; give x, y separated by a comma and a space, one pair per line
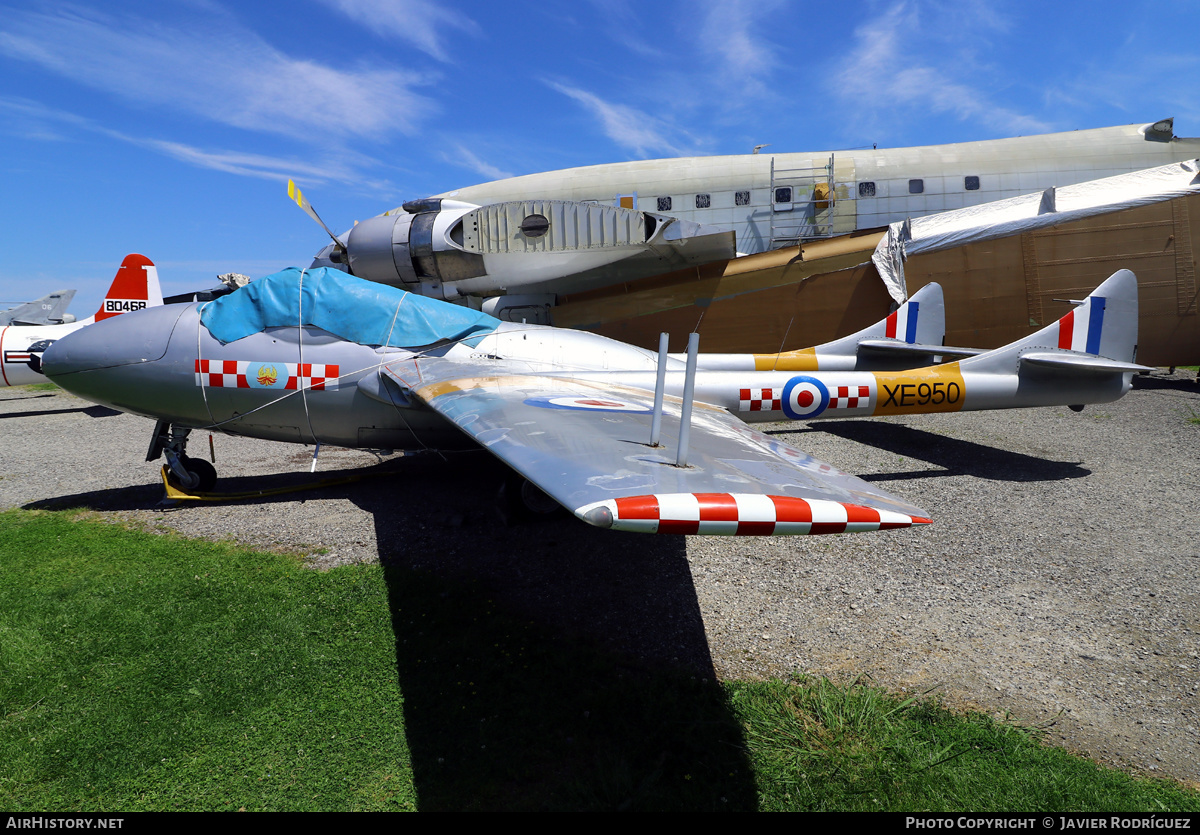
417, 21
730, 29
625, 125
465, 158
885, 71
217, 71
244, 164
39, 121
33, 121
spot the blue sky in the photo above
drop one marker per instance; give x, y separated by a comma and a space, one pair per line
170, 128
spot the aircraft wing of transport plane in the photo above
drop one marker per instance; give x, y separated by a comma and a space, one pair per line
621, 437
21, 346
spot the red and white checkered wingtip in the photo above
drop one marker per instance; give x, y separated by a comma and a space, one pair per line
739, 514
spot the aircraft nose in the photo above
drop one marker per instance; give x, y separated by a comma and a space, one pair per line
128, 339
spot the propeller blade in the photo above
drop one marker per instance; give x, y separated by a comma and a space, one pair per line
298, 197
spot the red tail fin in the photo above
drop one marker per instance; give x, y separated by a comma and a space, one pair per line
135, 287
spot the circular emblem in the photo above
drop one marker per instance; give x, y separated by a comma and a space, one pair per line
594, 404
804, 397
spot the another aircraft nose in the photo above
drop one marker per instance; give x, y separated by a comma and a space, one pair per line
127, 339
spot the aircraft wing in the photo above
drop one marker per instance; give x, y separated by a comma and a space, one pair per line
586, 444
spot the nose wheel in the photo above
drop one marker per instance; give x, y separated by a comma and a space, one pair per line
190, 474
198, 470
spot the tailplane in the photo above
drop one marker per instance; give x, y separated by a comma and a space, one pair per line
908, 337
1098, 336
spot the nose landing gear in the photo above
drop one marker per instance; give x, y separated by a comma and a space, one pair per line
190, 474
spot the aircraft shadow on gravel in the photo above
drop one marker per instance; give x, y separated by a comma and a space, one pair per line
90, 411
1153, 382
957, 457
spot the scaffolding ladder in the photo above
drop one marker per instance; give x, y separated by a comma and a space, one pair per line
802, 201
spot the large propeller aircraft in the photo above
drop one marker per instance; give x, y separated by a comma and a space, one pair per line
514, 247
21, 346
620, 436
512, 258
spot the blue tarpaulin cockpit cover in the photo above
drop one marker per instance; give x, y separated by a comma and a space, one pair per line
351, 308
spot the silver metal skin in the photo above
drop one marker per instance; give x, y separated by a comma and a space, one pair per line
868, 187
689, 392
146, 365
571, 411
660, 388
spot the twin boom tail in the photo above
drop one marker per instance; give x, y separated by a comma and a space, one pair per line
1085, 357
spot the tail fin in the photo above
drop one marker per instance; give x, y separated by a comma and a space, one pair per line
909, 336
1100, 335
135, 287
50, 309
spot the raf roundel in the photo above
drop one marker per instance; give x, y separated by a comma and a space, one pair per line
591, 404
804, 397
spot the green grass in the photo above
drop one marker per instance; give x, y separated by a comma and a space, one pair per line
824, 747
144, 672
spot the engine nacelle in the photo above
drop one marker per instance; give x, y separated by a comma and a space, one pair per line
410, 248
447, 248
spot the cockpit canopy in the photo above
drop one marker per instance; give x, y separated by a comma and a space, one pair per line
351, 308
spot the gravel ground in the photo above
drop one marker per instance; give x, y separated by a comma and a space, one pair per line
1056, 585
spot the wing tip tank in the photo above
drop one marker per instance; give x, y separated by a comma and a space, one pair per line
740, 514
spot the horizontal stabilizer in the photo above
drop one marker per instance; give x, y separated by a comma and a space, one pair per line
1082, 363
904, 333
896, 347
1103, 328
908, 336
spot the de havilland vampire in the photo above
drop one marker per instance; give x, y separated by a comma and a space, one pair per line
621, 437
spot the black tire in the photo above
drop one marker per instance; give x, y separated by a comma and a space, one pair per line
519, 500
203, 470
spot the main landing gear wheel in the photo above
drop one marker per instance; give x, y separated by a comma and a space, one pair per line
519, 500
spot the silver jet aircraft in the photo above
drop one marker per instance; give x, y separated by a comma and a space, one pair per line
50, 309
323, 357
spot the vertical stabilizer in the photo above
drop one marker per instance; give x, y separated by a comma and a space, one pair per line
50, 309
135, 287
1099, 335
